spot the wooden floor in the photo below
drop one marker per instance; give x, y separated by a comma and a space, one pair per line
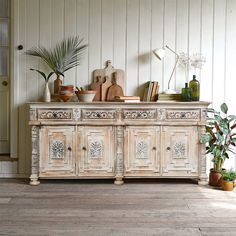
150, 207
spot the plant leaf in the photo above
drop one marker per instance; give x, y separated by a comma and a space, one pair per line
224, 108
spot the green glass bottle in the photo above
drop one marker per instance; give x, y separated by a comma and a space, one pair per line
186, 93
195, 86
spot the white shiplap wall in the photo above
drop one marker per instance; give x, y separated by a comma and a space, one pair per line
124, 31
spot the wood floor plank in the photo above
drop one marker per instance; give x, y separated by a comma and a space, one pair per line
92, 208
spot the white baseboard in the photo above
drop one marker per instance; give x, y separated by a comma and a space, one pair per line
14, 176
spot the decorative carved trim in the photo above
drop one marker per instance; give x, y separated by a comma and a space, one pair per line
203, 114
139, 114
95, 149
142, 150
55, 114
179, 149
76, 114
57, 149
119, 151
32, 114
187, 115
35, 151
161, 114
98, 114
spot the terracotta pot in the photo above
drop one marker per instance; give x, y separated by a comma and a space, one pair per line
228, 185
215, 178
67, 88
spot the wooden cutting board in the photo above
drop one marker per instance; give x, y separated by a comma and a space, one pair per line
96, 86
108, 71
104, 88
114, 89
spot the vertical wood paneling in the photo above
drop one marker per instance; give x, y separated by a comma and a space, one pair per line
119, 14
45, 28
181, 40
82, 21
206, 50
157, 40
219, 53
125, 31
230, 65
144, 41
132, 47
194, 32
70, 30
169, 39
94, 36
107, 31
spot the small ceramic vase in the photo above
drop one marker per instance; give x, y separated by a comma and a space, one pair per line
46, 93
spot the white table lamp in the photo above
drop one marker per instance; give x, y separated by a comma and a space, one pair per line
160, 53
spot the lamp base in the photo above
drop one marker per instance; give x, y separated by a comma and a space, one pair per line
169, 91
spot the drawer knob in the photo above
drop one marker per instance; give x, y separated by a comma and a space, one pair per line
168, 148
154, 148
84, 148
69, 149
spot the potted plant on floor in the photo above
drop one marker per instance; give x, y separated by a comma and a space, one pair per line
63, 57
228, 180
220, 139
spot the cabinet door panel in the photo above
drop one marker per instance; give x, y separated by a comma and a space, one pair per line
142, 151
96, 151
58, 149
180, 151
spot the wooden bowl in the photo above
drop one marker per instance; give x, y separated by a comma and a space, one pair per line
86, 95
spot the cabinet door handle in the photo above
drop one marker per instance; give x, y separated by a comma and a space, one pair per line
154, 148
168, 148
84, 148
69, 149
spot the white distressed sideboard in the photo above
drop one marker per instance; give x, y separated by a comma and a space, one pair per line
118, 140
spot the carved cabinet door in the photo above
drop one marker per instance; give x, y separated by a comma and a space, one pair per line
57, 151
96, 150
142, 151
180, 151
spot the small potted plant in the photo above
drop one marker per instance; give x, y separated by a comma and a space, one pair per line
63, 57
220, 138
228, 180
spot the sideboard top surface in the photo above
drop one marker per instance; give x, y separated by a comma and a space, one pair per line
158, 104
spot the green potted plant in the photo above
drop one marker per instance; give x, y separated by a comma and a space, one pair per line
228, 180
220, 138
63, 57
46, 92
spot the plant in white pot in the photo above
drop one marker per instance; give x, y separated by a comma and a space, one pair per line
63, 57
46, 93
220, 139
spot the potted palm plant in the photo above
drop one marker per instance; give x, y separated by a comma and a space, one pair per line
63, 57
228, 180
220, 138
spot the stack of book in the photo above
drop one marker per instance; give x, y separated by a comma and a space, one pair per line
127, 99
163, 96
150, 91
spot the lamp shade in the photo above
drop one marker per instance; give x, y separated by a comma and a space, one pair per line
159, 53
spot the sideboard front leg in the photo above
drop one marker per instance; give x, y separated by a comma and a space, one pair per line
35, 156
203, 180
119, 155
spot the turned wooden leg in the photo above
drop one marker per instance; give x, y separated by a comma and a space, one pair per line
34, 181
119, 180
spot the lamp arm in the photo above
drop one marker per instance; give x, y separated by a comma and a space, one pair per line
172, 50
173, 70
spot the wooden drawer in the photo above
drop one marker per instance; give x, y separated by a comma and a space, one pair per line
139, 114
55, 114
183, 114
98, 114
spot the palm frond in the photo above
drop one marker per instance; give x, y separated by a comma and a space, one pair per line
63, 57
